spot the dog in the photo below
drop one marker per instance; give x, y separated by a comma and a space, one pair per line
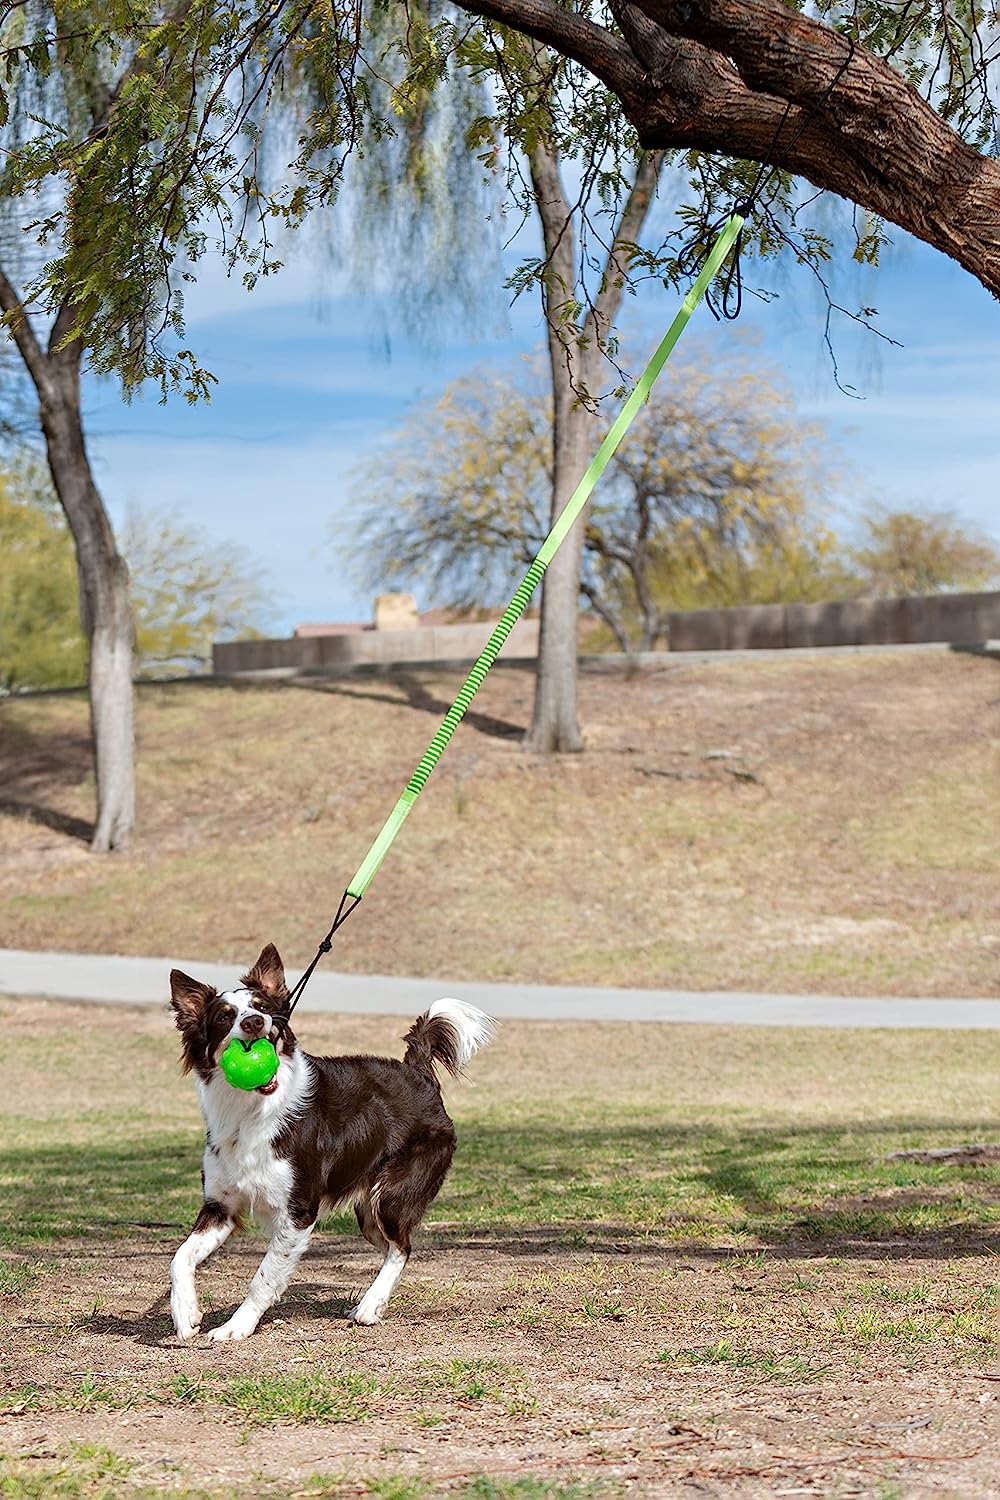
371, 1131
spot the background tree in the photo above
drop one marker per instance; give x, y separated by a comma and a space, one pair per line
889, 105
930, 552
73, 84
547, 111
41, 643
714, 499
187, 590
711, 499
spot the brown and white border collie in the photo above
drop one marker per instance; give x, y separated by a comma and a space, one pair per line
325, 1130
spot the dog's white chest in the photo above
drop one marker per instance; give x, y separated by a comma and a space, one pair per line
241, 1165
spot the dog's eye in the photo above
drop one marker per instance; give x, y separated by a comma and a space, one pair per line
226, 1014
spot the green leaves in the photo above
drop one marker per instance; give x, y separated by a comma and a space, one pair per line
186, 592
41, 640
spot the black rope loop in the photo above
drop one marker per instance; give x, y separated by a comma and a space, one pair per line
693, 255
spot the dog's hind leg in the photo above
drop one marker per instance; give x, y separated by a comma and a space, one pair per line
213, 1226
364, 1212
398, 1202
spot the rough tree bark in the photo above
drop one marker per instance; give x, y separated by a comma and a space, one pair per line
105, 608
574, 349
718, 76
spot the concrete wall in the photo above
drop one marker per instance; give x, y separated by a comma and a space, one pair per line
962, 618
318, 652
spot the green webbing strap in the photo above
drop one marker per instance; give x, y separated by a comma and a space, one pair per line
369, 866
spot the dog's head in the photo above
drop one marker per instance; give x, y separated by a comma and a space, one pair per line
208, 1020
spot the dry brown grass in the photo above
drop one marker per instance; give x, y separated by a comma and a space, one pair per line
844, 842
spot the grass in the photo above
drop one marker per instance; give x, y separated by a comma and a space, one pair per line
861, 858
643, 1224
94, 1473
483, 1380
759, 1136
784, 1369
89, 1472
317, 1395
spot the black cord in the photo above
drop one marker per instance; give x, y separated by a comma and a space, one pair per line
282, 1019
728, 303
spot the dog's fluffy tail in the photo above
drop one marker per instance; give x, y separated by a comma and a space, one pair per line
450, 1033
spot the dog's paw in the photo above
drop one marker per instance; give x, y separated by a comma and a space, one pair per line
231, 1332
186, 1316
367, 1314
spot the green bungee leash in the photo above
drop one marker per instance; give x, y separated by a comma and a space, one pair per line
251, 1067
690, 261
369, 866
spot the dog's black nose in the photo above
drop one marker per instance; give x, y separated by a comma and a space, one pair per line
252, 1024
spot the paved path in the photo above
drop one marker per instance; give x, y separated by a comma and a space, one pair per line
144, 981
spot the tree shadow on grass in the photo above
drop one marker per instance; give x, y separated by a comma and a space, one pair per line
416, 695
49, 817
36, 769
546, 1188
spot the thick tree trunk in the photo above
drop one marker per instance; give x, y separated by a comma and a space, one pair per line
105, 607
554, 723
574, 364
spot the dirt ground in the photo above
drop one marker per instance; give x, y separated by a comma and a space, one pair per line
567, 1395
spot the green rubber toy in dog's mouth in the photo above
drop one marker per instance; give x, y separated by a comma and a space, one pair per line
251, 1065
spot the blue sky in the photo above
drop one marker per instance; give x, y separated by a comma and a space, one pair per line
312, 377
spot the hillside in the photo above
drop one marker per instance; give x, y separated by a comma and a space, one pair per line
810, 823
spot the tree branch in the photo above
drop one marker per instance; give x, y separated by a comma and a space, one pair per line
728, 76
601, 316
16, 319
607, 56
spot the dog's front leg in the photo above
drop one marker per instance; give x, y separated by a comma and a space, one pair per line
213, 1226
273, 1275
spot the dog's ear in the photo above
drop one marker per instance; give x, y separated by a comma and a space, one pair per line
189, 997
268, 975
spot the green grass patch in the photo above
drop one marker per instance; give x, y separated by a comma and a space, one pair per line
16, 1276
481, 1487
317, 1395
89, 1472
711, 1136
489, 1380
784, 1369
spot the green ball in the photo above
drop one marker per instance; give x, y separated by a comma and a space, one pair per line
249, 1066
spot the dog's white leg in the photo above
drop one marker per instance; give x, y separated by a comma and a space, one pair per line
371, 1308
212, 1228
272, 1277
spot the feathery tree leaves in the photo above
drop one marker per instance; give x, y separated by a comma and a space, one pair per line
890, 103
